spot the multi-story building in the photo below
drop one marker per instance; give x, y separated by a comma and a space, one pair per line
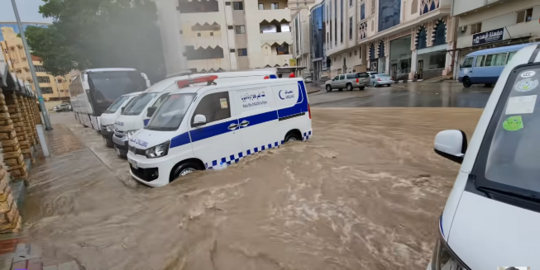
219, 35
320, 64
405, 38
301, 39
52, 87
486, 24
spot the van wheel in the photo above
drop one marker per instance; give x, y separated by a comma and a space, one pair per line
182, 170
467, 82
349, 87
328, 88
293, 136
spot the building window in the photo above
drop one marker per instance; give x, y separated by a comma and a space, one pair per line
476, 28
524, 15
350, 28
240, 29
200, 54
40, 68
414, 6
391, 10
261, 6
274, 6
46, 90
198, 34
350, 3
238, 5
232, 50
242, 52
274, 26
360, 52
341, 22
421, 39
350, 54
282, 49
44, 79
362, 11
355, 52
227, 3
230, 27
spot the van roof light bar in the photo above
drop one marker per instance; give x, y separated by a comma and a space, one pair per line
203, 79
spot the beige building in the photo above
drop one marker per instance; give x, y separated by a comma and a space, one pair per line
53, 88
219, 35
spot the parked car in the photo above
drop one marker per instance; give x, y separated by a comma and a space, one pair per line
65, 107
348, 81
308, 79
379, 79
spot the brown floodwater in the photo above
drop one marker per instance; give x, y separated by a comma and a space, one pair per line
364, 193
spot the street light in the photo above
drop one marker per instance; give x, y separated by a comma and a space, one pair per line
32, 69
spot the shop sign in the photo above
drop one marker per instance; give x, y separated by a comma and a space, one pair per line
488, 37
292, 62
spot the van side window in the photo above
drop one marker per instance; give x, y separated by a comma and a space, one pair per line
342, 77
480, 61
510, 55
363, 75
494, 60
214, 106
468, 62
351, 76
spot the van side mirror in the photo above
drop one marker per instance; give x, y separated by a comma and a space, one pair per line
150, 111
451, 144
199, 120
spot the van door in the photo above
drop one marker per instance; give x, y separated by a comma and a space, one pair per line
217, 143
341, 82
466, 67
258, 119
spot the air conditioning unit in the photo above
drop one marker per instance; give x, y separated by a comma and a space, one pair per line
462, 29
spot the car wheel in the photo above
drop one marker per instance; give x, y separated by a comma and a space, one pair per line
292, 137
467, 82
182, 170
328, 88
349, 87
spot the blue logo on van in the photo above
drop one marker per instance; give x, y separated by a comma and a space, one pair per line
140, 142
286, 94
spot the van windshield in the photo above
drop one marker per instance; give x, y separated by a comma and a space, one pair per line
138, 104
510, 156
116, 104
171, 112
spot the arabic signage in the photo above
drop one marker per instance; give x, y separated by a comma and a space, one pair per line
488, 37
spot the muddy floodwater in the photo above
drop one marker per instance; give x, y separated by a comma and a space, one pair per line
364, 193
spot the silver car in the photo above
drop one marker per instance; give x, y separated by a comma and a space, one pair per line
381, 79
348, 81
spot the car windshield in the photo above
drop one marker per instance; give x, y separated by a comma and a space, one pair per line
138, 104
513, 154
116, 104
171, 112
108, 86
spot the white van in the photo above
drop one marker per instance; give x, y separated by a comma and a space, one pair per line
134, 117
208, 127
492, 215
108, 117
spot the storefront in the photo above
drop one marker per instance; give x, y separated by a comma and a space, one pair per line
431, 61
400, 58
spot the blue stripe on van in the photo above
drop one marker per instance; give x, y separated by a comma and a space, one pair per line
210, 131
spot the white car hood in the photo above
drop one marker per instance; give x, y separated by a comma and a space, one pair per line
108, 118
144, 138
128, 122
487, 234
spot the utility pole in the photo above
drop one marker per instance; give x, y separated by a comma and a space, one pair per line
32, 69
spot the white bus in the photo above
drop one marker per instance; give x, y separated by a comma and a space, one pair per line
94, 90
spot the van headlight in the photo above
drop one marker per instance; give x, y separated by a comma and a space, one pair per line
130, 133
110, 128
444, 258
159, 150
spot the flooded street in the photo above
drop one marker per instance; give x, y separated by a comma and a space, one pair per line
364, 192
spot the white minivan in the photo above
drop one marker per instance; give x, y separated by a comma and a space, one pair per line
492, 215
134, 117
109, 116
208, 127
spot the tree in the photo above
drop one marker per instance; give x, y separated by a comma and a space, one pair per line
99, 33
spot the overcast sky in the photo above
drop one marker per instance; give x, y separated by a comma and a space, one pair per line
28, 10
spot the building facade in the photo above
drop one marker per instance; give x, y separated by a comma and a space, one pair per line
52, 87
301, 40
218, 35
491, 24
320, 64
406, 39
